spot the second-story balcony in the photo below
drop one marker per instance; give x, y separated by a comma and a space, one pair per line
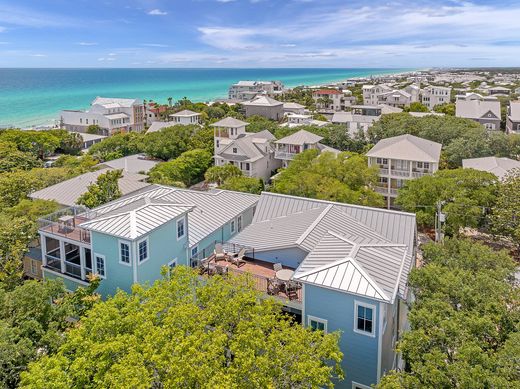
65, 223
281, 154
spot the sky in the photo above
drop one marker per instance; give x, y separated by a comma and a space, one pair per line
259, 33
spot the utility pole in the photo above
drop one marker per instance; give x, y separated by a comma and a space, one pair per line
440, 218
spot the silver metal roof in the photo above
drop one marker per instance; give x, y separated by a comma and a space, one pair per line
407, 147
229, 122
263, 101
136, 163
67, 192
383, 240
158, 126
299, 138
498, 166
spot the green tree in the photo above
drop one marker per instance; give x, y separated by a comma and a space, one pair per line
40, 143
94, 129
104, 190
344, 177
33, 319
417, 107
464, 321
505, 215
244, 184
219, 174
188, 168
202, 139
185, 331
446, 108
79, 165
259, 123
117, 146
170, 142
70, 142
464, 193
12, 159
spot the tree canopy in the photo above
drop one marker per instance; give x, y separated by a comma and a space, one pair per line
188, 169
185, 331
345, 177
505, 215
219, 174
104, 190
244, 184
465, 195
465, 321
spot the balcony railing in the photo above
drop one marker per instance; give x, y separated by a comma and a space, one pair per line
66, 222
284, 155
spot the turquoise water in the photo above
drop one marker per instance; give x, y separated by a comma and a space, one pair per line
30, 97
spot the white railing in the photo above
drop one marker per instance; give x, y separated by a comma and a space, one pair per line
381, 190
284, 155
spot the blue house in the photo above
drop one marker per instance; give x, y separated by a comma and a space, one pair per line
334, 266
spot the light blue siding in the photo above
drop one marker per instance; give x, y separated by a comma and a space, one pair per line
359, 351
70, 284
291, 257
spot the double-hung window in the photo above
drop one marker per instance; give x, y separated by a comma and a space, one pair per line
232, 226
124, 253
142, 247
194, 251
364, 315
100, 266
239, 223
181, 228
317, 324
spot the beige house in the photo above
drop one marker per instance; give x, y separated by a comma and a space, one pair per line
252, 153
332, 100
513, 117
402, 158
289, 147
435, 95
264, 106
186, 117
361, 117
482, 109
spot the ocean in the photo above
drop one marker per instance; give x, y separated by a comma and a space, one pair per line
34, 97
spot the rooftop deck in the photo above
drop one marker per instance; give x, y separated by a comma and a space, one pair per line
65, 223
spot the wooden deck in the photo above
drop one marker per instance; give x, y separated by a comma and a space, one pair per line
69, 230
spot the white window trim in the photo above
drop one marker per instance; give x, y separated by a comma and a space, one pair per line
233, 226
318, 320
119, 242
374, 317
147, 251
96, 267
356, 385
183, 220
173, 261
239, 217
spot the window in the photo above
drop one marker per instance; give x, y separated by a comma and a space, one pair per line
426, 165
364, 319
419, 165
218, 143
86, 121
172, 264
124, 253
232, 226
239, 223
100, 265
80, 120
143, 250
34, 268
356, 385
317, 324
194, 251
234, 150
181, 231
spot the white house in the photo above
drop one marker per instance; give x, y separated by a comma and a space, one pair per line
264, 106
186, 117
361, 117
290, 107
252, 153
435, 95
371, 93
482, 109
332, 99
247, 90
110, 114
402, 158
513, 117
500, 167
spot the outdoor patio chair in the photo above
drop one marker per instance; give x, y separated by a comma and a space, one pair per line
277, 266
291, 289
238, 258
221, 270
220, 255
274, 286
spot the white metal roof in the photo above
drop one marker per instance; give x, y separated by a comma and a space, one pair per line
407, 147
291, 105
474, 106
158, 126
132, 163
498, 166
514, 110
185, 113
263, 101
138, 222
252, 147
299, 138
120, 115
229, 122
126, 103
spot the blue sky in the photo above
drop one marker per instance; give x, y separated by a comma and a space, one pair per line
258, 33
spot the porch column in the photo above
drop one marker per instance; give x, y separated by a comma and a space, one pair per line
82, 261
62, 256
43, 247
411, 165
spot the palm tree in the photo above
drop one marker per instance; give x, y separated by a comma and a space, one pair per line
170, 99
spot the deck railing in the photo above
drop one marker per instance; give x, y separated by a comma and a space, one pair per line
65, 223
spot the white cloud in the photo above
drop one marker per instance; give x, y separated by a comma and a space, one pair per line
153, 45
38, 55
157, 12
87, 43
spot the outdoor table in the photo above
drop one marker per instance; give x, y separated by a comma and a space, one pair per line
284, 274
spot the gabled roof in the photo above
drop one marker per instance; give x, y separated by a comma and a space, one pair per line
112, 102
158, 126
211, 210
229, 122
262, 101
185, 113
514, 110
252, 146
370, 243
498, 166
290, 105
67, 192
132, 163
407, 147
299, 138
475, 106
135, 223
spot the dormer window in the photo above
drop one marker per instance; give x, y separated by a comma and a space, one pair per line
235, 150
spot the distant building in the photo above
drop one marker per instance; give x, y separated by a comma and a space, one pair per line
252, 153
158, 126
435, 95
264, 106
371, 93
154, 111
402, 158
500, 167
513, 117
295, 120
361, 117
482, 109
289, 147
293, 108
112, 115
186, 117
90, 139
498, 91
137, 163
332, 100
247, 90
